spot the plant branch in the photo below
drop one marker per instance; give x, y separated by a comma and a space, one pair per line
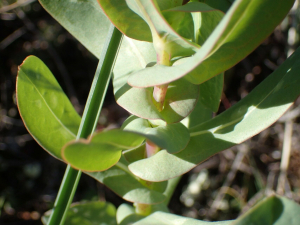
88, 122
286, 154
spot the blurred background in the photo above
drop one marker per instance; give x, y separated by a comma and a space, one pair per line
221, 188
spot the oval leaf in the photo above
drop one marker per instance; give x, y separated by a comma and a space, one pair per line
180, 100
272, 210
128, 22
126, 214
101, 152
258, 110
164, 37
211, 92
83, 19
39, 96
162, 218
172, 137
45, 109
119, 179
227, 45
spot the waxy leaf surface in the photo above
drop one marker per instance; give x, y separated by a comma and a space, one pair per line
101, 152
258, 110
123, 183
180, 100
45, 109
128, 22
164, 37
162, 218
211, 92
52, 121
172, 137
238, 34
86, 21
126, 214
222, 5
89, 213
83, 19
273, 210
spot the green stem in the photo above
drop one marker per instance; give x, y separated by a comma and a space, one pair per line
88, 122
159, 92
172, 184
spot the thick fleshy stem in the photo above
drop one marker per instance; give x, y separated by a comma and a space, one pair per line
142, 209
151, 148
160, 91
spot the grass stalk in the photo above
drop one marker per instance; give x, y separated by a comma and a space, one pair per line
88, 122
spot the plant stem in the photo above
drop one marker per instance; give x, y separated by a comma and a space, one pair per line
172, 184
151, 148
88, 122
159, 92
143, 209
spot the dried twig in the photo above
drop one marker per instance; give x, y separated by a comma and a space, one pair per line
243, 149
286, 153
12, 37
15, 5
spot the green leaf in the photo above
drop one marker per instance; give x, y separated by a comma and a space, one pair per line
271, 211
222, 5
211, 92
84, 19
239, 33
39, 96
181, 23
45, 109
162, 218
199, 115
126, 214
101, 151
135, 154
168, 4
120, 180
89, 213
133, 26
194, 21
134, 55
254, 113
172, 137
164, 37
180, 100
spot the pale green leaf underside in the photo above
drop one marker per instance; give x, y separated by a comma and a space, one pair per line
180, 99
119, 179
172, 137
162, 218
162, 32
83, 19
126, 214
133, 26
44, 107
258, 110
239, 32
270, 211
89, 213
